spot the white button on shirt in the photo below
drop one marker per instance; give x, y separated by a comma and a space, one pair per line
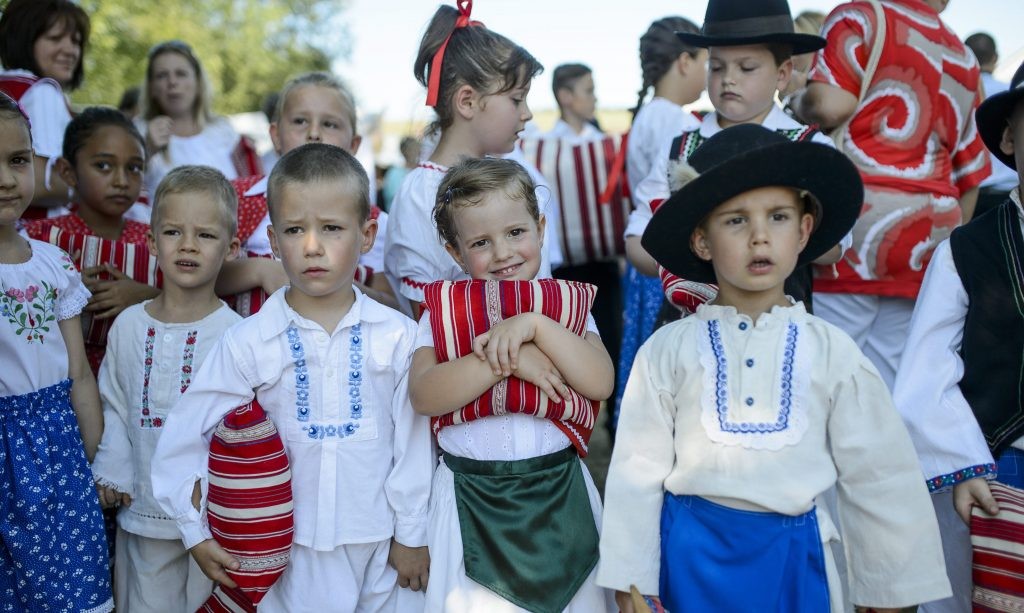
361, 459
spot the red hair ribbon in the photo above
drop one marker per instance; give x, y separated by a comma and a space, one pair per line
434, 83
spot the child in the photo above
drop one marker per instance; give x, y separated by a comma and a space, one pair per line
737, 419
573, 86
958, 382
53, 553
477, 82
192, 235
314, 107
488, 216
103, 160
676, 71
329, 367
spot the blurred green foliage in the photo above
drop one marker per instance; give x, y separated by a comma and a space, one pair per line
248, 48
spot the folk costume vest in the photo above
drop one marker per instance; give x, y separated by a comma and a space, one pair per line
992, 273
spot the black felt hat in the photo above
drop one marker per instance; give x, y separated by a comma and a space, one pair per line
728, 23
743, 158
995, 111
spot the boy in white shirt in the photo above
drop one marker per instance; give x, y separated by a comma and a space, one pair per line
573, 86
153, 350
329, 366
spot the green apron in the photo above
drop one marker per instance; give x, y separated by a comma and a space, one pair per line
528, 531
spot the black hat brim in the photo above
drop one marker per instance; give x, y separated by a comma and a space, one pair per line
991, 118
801, 43
819, 169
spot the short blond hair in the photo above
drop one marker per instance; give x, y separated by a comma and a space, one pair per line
203, 179
319, 79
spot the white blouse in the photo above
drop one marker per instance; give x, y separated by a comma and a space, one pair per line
948, 439
211, 147
148, 366
35, 296
361, 458
656, 121
770, 413
413, 252
512, 436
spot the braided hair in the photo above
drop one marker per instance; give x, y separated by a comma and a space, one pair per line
659, 47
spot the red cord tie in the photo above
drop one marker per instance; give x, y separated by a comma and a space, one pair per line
434, 83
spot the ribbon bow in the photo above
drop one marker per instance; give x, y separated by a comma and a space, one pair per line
434, 84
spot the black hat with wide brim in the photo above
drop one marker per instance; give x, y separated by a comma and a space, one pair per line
730, 23
993, 114
744, 158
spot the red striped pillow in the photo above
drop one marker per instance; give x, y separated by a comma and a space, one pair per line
998, 547
462, 310
249, 505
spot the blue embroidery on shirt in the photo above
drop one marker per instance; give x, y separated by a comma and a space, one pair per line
355, 379
301, 375
721, 386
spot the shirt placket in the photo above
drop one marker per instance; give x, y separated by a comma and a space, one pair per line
327, 355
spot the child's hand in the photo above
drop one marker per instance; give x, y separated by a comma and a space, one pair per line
412, 564
272, 276
158, 133
500, 345
110, 297
536, 368
970, 493
213, 559
624, 601
111, 498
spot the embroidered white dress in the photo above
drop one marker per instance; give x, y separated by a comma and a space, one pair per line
361, 458
768, 415
496, 438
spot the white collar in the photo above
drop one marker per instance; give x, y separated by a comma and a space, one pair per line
776, 119
277, 314
258, 188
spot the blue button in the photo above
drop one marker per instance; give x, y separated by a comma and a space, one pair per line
743, 325
750, 362
750, 401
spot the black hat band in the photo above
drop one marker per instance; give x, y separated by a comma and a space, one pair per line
750, 26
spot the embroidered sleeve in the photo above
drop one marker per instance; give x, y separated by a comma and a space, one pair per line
71, 295
113, 466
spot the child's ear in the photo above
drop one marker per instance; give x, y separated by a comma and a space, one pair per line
353, 145
369, 231
233, 248
785, 73
452, 251
274, 138
806, 227
150, 241
699, 244
563, 97
542, 223
1006, 142
273, 241
66, 172
466, 101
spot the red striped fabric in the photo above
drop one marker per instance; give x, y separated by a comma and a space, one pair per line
683, 294
249, 505
591, 232
462, 310
998, 545
129, 254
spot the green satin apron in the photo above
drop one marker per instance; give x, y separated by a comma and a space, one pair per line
528, 531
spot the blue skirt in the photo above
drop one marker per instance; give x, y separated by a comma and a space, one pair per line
642, 302
53, 553
715, 558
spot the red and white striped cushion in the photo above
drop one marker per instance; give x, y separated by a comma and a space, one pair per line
462, 310
998, 544
591, 232
249, 505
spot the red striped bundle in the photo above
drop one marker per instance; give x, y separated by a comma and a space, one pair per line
129, 254
998, 544
591, 232
683, 294
249, 505
462, 310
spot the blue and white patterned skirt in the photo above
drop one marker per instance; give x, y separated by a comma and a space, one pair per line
53, 553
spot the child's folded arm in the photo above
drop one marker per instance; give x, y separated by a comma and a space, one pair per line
113, 466
945, 433
244, 274
440, 388
643, 458
225, 381
893, 547
408, 485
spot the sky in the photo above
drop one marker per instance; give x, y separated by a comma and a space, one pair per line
385, 35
